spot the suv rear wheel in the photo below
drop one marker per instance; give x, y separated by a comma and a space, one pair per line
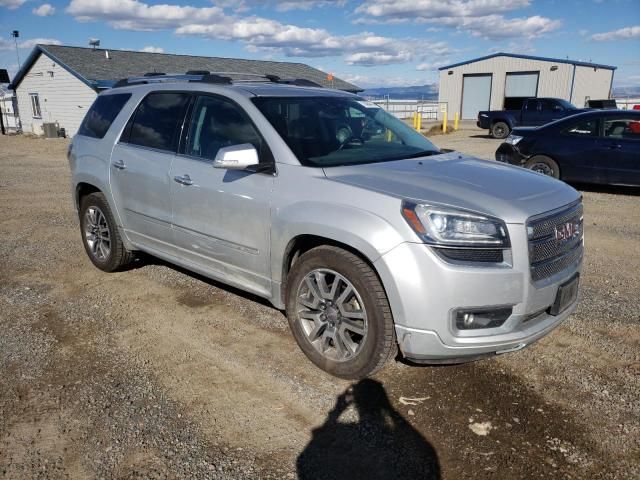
100, 235
339, 313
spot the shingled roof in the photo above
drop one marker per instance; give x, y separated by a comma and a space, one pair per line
93, 67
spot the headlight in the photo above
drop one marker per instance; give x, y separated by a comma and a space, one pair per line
513, 139
446, 226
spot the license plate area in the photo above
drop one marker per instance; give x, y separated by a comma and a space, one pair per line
567, 294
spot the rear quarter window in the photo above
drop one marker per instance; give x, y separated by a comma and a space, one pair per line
102, 114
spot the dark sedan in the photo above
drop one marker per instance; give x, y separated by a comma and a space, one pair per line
601, 146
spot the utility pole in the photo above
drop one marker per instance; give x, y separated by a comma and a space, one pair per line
15, 34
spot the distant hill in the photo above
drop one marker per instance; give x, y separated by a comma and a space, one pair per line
626, 91
428, 92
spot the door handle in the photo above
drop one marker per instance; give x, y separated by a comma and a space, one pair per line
119, 164
184, 180
614, 146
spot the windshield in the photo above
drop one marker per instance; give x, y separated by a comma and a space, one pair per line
332, 131
566, 105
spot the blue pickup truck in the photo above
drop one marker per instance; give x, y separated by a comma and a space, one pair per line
534, 112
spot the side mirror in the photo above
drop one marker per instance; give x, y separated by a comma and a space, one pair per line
236, 157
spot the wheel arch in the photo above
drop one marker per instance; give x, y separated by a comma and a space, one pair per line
82, 190
302, 243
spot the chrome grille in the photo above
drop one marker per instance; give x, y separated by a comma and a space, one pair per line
549, 255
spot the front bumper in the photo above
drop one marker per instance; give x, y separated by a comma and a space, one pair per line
424, 291
507, 153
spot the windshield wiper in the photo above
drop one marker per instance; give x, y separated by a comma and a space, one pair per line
426, 153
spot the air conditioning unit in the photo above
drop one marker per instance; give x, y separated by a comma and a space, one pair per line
50, 130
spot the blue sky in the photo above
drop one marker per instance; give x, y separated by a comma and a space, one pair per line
374, 43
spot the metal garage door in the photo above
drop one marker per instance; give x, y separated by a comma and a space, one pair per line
523, 84
476, 94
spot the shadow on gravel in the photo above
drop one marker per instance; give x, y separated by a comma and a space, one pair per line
381, 445
483, 136
144, 259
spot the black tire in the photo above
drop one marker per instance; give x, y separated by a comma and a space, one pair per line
500, 130
118, 256
378, 345
543, 164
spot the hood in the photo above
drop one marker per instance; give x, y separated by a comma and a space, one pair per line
510, 193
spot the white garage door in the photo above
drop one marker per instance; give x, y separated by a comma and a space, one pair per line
521, 85
476, 94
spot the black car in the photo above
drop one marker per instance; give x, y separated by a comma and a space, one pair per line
600, 146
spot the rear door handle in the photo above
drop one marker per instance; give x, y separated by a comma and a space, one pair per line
119, 164
614, 146
183, 180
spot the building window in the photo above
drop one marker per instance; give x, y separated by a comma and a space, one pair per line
35, 105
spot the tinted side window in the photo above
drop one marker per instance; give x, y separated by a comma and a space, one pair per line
156, 121
623, 128
217, 123
587, 128
102, 114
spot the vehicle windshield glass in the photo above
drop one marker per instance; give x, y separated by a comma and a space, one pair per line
330, 131
566, 105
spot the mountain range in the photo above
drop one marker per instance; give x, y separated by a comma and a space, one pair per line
430, 92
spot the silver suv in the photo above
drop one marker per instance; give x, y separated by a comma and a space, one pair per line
367, 234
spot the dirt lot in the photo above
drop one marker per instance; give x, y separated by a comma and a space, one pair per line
159, 373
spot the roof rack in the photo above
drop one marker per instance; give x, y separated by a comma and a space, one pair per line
206, 76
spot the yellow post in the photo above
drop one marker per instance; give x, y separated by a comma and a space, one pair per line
419, 122
455, 122
415, 120
444, 122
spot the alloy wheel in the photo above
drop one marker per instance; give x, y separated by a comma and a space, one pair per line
332, 314
96, 232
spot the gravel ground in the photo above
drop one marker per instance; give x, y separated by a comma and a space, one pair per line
159, 373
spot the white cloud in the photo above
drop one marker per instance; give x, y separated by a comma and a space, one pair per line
307, 4
431, 66
44, 10
480, 18
151, 49
620, 34
369, 59
136, 15
496, 26
11, 4
523, 48
388, 10
27, 44
258, 34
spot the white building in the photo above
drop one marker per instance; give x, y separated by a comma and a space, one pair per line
8, 110
57, 84
499, 80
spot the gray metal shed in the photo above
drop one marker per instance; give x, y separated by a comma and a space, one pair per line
487, 83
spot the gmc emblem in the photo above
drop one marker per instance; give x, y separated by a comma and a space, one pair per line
566, 231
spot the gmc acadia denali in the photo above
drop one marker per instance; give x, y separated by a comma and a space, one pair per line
360, 228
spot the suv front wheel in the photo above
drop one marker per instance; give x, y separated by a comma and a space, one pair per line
339, 313
100, 235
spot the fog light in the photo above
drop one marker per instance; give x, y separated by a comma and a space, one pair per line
469, 319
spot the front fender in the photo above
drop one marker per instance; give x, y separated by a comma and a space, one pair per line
369, 234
